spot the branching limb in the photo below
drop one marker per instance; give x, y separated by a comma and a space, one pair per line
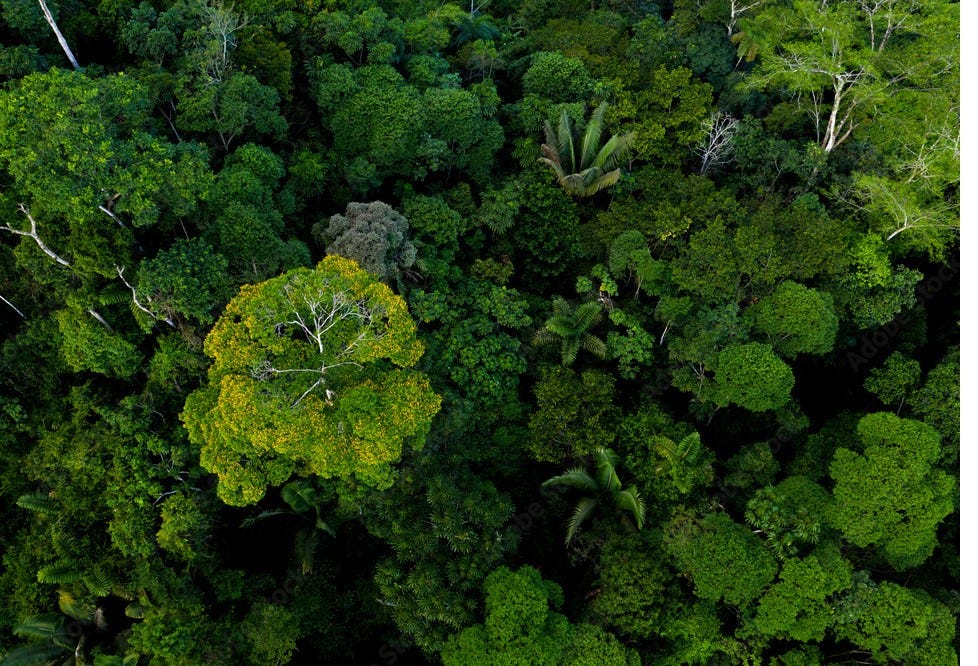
139, 305
33, 234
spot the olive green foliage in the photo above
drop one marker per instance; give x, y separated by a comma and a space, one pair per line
104, 174
558, 78
248, 221
474, 347
752, 376
724, 560
896, 623
189, 279
633, 578
521, 627
796, 320
223, 439
893, 381
89, 345
296, 384
887, 492
574, 414
271, 631
429, 583
797, 605
374, 235
938, 402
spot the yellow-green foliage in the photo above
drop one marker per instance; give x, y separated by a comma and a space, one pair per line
311, 376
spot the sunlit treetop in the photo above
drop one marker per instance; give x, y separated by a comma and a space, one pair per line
310, 376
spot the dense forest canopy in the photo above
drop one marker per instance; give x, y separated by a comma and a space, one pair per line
513, 332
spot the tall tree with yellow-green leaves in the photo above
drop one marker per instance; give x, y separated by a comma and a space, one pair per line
311, 376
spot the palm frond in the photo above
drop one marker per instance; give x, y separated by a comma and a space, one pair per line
606, 475
250, 522
545, 337
587, 315
609, 154
69, 605
561, 307
37, 654
594, 345
565, 141
630, 501
555, 165
568, 351
576, 477
689, 448
306, 542
581, 513
39, 626
591, 138
602, 182
136, 611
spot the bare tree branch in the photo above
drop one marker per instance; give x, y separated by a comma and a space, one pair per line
57, 33
33, 234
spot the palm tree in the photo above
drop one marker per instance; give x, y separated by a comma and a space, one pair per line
301, 498
605, 479
569, 327
583, 165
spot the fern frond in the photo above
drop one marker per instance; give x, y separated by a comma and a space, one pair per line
59, 574
582, 512
38, 503
98, 582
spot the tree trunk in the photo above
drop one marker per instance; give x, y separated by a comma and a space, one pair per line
57, 33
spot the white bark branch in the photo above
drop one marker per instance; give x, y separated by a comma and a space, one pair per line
139, 305
22, 316
33, 235
57, 33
